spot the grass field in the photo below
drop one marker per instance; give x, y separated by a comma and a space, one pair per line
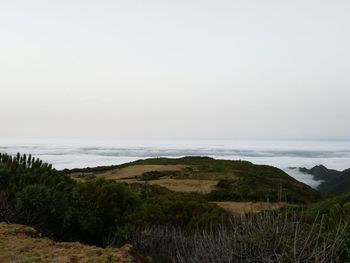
138, 170
186, 178
180, 185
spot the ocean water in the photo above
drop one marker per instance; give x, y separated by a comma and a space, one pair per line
282, 154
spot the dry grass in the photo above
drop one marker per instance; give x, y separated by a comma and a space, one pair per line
180, 185
199, 182
19, 244
186, 185
205, 175
138, 170
248, 207
128, 175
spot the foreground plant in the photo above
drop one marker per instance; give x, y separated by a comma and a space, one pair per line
266, 237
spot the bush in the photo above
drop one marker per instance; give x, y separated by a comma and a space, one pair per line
225, 184
44, 208
266, 237
100, 207
148, 176
35, 194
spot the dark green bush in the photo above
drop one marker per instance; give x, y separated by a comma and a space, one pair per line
225, 184
63, 209
154, 175
102, 206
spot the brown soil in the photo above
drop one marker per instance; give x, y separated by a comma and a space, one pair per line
21, 244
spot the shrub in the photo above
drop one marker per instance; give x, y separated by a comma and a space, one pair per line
154, 175
266, 237
102, 206
225, 184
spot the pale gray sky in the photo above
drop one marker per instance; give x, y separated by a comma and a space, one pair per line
175, 69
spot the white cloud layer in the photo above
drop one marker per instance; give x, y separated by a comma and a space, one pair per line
281, 154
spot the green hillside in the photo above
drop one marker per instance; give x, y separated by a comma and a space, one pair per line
235, 180
112, 206
333, 182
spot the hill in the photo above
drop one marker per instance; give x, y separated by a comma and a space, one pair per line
334, 182
134, 204
218, 180
93, 211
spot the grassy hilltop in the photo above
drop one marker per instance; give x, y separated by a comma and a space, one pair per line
219, 180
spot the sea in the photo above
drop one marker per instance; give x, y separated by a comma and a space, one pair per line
284, 154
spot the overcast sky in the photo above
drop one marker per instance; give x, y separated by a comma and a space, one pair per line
175, 69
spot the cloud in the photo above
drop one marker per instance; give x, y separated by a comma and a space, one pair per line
302, 177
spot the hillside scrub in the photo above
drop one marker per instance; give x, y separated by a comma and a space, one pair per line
181, 226
264, 237
35, 194
237, 180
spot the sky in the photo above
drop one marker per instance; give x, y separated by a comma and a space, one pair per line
175, 69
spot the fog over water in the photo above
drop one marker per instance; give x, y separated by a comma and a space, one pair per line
282, 154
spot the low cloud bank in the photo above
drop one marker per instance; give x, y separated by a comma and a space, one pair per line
281, 154
303, 177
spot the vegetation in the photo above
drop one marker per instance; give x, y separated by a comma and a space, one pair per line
162, 206
333, 181
179, 227
265, 237
24, 244
244, 180
35, 194
154, 175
